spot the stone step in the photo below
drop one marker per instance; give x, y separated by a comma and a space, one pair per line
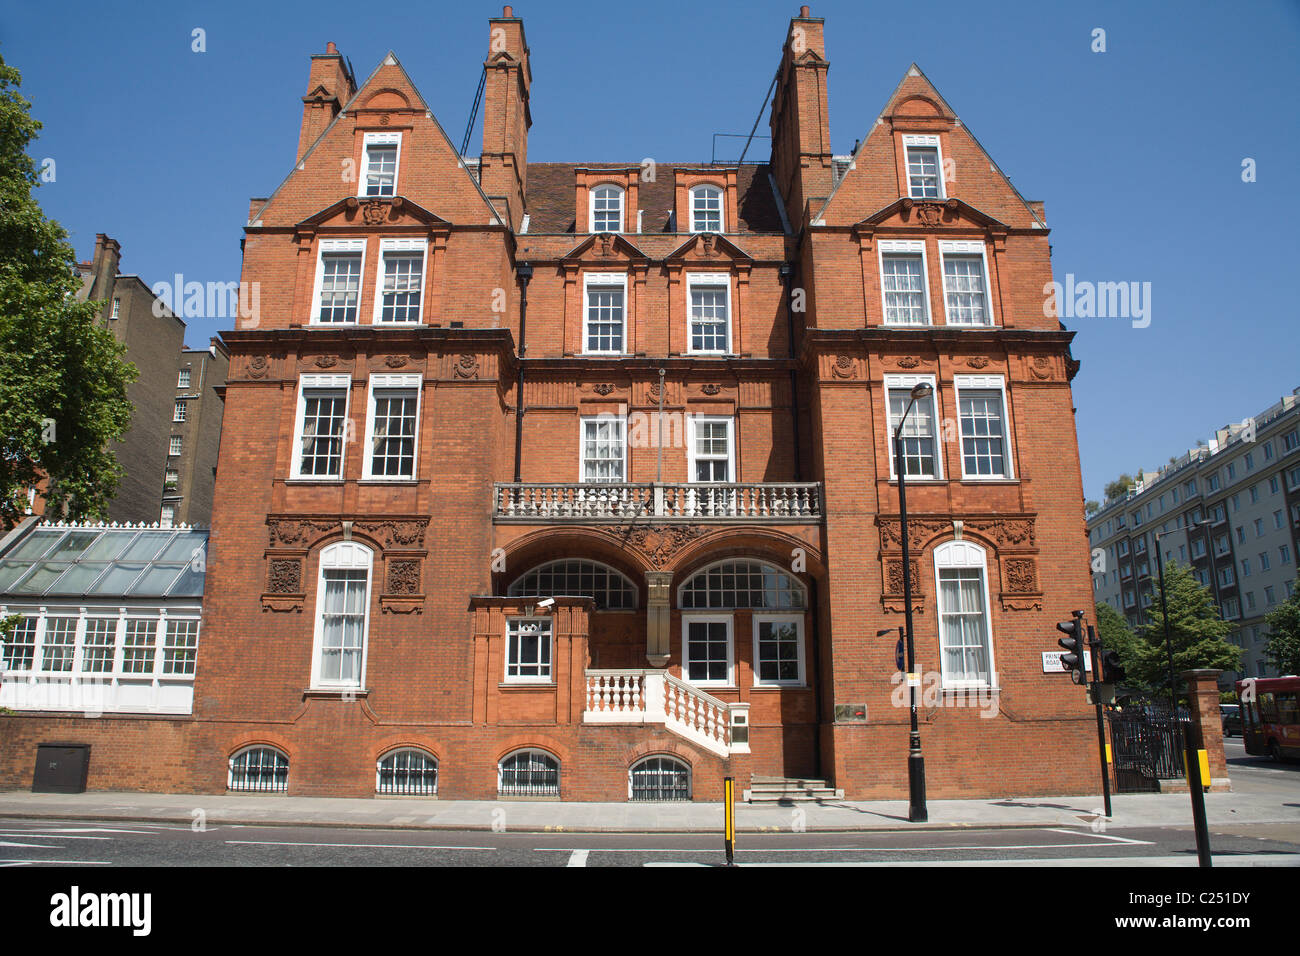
764, 789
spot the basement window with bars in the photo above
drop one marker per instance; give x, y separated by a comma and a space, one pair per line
259, 770
528, 773
408, 772
659, 779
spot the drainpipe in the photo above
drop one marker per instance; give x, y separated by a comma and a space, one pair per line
817, 679
787, 275
524, 273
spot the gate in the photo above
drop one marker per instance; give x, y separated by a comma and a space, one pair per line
1148, 748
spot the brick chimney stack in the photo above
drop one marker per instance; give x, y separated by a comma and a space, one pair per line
104, 264
329, 87
801, 136
503, 172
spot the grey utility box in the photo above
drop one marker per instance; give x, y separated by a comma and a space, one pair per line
61, 768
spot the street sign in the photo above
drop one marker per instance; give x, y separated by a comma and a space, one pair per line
1052, 662
900, 661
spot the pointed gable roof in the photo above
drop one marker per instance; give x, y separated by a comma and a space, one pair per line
708, 246
916, 102
606, 247
388, 89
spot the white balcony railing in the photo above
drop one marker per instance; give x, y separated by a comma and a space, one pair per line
639, 696
759, 502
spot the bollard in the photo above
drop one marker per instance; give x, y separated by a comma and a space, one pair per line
729, 819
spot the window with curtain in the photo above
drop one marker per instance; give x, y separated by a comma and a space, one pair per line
603, 449
983, 432
923, 172
964, 629
324, 411
343, 606
709, 319
903, 279
392, 425
604, 331
964, 287
400, 293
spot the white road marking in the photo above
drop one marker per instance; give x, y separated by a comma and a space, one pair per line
578, 858
56, 862
361, 846
1257, 859
57, 836
1104, 836
34, 846
52, 830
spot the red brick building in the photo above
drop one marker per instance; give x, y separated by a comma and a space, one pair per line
543, 477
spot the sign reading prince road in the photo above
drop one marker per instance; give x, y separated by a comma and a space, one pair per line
1052, 662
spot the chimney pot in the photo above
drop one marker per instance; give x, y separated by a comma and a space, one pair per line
508, 12
331, 48
803, 12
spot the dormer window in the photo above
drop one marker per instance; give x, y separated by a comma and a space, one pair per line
380, 164
706, 209
607, 209
924, 167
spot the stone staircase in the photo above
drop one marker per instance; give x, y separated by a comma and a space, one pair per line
789, 790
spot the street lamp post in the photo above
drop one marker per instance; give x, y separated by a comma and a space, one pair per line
916, 809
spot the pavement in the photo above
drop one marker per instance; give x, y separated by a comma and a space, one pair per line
1128, 810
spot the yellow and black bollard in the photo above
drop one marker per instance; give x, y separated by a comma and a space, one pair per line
729, 818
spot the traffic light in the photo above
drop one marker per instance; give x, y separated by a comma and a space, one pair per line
1072, 659
1111, 670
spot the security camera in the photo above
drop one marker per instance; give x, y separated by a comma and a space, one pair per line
545, 602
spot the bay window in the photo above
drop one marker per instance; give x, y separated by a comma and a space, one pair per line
528, 650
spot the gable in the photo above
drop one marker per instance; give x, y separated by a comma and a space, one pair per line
876, 177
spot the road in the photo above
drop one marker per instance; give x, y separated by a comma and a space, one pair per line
68, 843
44, 842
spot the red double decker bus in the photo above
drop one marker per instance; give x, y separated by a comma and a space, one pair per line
1270, 716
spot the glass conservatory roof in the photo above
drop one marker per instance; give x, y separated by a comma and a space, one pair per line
106, 560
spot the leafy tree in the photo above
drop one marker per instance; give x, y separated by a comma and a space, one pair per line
63, 377
1117, 636
1283, 622
1197, 632
1091, 507
1119, 487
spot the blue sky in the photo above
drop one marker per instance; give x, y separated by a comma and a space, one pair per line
1136, 151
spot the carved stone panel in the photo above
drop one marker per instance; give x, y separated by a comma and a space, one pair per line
403, 577
284, 576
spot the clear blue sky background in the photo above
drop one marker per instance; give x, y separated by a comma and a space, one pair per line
1137, 151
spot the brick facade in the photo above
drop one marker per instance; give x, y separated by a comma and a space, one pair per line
799, 251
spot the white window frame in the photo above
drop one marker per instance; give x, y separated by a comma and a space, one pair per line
984, 383
336, 246
549, 676
964, 555
907, 383
722, 207
399, 247
694, 279
622, 207
178, 412
379, 139
606, 418
341, 556
691, 422
311, 382
167, 516
404, 381
607, 279
909, 247
966, 250
183, 378
175, 445
925, 142
797, 621
712, 618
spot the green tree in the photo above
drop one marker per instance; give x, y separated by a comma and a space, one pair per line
1197, 632
1283, 622
1119, 487
63, 377
1117, 636
1091, 507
